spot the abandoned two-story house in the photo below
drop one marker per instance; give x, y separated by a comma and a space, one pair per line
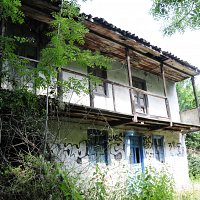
131, 119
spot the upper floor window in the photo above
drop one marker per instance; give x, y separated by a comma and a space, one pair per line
101, 86
140, 98
98, 146
158, 147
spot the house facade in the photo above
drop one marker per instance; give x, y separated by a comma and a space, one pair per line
130, 119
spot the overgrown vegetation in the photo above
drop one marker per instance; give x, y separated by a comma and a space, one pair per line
185, 95
152, 185
22, 124
194, 166
38, 179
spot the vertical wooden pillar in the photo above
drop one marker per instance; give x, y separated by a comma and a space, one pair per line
113, 95
165, 92
91, 94
195, 96
194, 91
132, 99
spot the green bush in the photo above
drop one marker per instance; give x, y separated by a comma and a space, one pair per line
151, 185
194, 167
37, 179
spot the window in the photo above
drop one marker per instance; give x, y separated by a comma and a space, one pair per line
140, 99
101, 87
98, 146
158, 146
134, 151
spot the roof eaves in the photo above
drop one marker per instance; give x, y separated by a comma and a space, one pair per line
142, 41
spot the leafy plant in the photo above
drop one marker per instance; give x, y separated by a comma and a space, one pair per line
193, 141
37, 179
66, 36
151, 185
185, 95
178, 15
194, 167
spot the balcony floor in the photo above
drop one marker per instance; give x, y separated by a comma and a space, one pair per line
115, 119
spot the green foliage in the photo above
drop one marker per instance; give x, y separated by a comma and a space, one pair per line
185, 95
193, 140
10, 9
37, 179
18, 101
177, 15
67, 35
151, 185
65, 38
194, 167
97, 189
22, 120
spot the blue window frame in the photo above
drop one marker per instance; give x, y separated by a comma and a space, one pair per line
158, 147
134, 149
98, 146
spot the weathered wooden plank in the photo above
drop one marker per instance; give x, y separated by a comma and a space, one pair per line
113, 96
36, 14
165, 91
117, 84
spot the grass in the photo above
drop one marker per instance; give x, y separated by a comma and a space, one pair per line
191, 193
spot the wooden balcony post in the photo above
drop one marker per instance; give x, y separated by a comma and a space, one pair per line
165, 92
113, 95
195, 92
132, 99
195, 96
91, 93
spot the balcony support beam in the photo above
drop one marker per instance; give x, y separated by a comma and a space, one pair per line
132, 99
195, 96
165, 92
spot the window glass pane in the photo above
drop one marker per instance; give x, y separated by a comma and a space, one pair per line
97, 146
158, 145
135, 149
100, 88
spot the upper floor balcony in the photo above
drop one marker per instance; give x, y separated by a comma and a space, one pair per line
149, 102
138, 90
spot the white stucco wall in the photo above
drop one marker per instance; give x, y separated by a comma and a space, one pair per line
71, 149
119, 74
190, 116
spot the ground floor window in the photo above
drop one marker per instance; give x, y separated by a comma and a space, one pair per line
158, 147
134, 149
98, 146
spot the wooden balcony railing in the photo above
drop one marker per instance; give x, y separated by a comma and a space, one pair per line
133, 102
134, 92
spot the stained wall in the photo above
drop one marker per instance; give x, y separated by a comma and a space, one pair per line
71, 148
